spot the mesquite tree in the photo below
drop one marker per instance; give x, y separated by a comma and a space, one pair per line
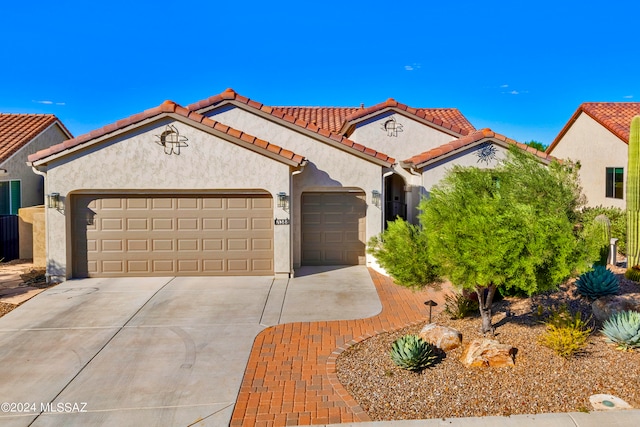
509, 227
633, 194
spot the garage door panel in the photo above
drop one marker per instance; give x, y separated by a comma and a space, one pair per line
180, 235
333, 228
162, 224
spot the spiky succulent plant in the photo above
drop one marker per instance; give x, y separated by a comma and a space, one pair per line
623, 329
413, 353
597, 283
633, 273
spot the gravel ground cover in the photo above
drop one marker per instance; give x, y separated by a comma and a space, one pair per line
540, 382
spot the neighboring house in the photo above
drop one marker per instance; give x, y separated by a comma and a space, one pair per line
229, 186
21, 135
597, 135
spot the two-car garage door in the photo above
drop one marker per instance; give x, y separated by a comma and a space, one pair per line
158, 235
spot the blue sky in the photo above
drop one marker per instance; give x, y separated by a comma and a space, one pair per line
520, 68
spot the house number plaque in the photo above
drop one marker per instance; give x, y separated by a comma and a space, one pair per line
282, 221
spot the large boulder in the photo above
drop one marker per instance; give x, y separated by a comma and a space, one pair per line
443, 337
483, 352
605, 306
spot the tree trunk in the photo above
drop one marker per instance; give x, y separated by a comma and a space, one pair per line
485, 300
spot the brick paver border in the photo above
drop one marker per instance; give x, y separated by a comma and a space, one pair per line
291, 378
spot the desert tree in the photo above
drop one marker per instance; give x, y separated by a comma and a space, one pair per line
513, 226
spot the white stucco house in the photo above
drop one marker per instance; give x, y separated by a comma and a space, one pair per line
21, 135
229, 186
597, 135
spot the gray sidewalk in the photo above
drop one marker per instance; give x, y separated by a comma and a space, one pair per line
623, 418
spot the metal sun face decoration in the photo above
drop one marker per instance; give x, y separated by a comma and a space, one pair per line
171, 140
392, 127
486, 153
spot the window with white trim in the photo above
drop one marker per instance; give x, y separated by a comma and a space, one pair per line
10, 197
615, 183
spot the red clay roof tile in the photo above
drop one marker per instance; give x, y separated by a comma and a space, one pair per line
614, 116
17, 130
457, 144
165, 107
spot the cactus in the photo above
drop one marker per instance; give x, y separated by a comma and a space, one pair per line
604, 237
598, 282
633, 194
413, 353
633, 273
623, 329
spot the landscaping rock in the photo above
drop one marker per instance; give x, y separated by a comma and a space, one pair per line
443, 337
605, 306
483, 352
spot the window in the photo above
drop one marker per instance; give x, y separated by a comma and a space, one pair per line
10, 197
615, 183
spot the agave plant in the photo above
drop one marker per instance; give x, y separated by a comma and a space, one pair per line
623, 329
413, 353
597, 283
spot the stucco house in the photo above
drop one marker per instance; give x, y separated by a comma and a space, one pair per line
21, 135
229, 186
597, 135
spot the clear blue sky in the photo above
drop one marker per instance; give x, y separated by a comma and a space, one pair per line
520, 68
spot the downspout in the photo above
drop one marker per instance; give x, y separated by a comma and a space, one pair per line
43, 174
291, 224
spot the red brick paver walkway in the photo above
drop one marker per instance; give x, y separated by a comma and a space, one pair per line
291, 378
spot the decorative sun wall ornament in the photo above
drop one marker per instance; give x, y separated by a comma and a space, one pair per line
486, 153
392, 127
171, 140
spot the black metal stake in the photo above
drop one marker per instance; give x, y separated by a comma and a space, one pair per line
430, 304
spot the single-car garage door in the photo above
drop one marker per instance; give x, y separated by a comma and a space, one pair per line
333, 228
161, 235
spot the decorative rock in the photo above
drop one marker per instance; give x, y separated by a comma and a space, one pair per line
605, 306
483, 352
443, 337
607, 402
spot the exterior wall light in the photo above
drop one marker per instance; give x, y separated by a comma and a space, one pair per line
375, 198
283, 201
53, 201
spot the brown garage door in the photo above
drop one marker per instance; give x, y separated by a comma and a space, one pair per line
158, 235
333, 228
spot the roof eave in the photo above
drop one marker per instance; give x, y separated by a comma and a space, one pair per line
297, 128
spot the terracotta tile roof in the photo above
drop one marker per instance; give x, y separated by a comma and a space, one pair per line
448, 118
614, 116
17, 130
330, 118
167, 107
231, 95
458, 144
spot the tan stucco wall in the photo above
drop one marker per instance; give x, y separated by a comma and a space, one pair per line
434, 172
135, 162
597, 149
328, 167
32, 185
415, 138
32, 233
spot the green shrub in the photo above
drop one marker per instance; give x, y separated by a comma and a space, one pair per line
618, 219
402, 251
633, 273
598, 282
413, 353
623, 329
459, 306
565, 334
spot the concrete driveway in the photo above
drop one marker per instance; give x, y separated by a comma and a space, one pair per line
155, 351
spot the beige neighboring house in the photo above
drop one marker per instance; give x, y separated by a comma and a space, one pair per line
229, 186
597, 135
21, 135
